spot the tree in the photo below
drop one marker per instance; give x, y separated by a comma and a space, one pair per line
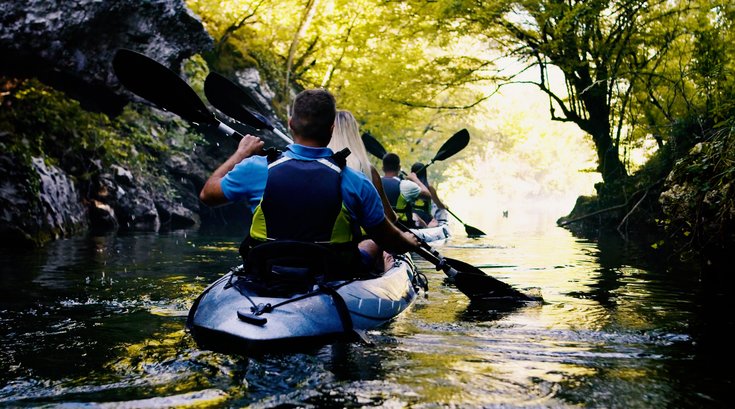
601, 47
388, 62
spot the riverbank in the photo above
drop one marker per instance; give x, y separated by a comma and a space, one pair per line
680, 204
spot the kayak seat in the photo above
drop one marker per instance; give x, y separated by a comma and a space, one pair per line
288, 266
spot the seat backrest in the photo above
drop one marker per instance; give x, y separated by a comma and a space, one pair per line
289, 260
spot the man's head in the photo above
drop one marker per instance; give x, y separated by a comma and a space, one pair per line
312, 116
391, 163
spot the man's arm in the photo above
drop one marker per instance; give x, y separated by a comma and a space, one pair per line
212, 194
390, 214
391, 239
425, 193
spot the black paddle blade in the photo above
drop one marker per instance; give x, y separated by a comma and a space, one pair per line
153, 81
481, 287
473, 232
373, 146
237, 91
232, 100
454, 144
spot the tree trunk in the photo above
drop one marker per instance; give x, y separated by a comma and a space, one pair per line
594, 96
609, 164
311, 7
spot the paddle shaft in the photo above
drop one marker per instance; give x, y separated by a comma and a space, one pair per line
455, 216
233, 101
468, 279
282, 135
424, 167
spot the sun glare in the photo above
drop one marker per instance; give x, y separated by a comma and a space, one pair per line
543, 168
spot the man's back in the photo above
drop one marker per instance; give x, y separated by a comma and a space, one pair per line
247, 181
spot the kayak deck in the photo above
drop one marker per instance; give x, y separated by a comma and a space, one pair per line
232, 312
433, 235
436, 235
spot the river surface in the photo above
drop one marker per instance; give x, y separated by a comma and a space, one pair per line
99, 322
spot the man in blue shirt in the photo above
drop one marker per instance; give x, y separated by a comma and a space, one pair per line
304, 194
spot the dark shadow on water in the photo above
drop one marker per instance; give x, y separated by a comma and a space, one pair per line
486, 311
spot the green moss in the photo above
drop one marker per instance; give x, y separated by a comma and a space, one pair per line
196, 70
230, 57
38, 121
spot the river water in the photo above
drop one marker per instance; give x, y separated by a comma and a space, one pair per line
99, 322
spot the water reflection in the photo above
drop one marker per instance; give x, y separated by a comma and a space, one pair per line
101, 320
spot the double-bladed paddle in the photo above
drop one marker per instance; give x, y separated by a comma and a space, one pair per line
452, 146
156, 83
471, 231
468, 279
233, 101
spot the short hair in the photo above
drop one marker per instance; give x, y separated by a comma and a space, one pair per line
312, 115
391, 162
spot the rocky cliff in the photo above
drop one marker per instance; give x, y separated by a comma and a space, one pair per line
68, 167
69, 44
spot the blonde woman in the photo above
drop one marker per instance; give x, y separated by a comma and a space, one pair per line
347, 135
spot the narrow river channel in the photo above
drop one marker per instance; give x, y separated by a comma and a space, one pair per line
99, 321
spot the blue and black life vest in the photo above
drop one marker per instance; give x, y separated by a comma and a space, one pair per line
392, 189
302, 202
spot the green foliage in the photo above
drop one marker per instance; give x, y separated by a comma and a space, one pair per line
38, 121
195, 70
390, 63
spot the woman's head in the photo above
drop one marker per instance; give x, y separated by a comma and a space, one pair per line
420, 170
347, 135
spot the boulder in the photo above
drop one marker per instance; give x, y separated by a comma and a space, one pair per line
174, 216
133, 204
38, 203
69, 44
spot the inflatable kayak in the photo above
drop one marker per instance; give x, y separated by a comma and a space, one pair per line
438, 234
433, 235
237, 313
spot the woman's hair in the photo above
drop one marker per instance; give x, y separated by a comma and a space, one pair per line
347, 135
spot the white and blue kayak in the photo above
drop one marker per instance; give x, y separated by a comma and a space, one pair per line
436, 235
237, 313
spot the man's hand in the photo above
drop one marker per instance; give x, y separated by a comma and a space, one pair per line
424, 190
410, 238
249, 145
391, 239
413, 177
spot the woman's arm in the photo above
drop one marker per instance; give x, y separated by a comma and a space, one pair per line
425, 193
